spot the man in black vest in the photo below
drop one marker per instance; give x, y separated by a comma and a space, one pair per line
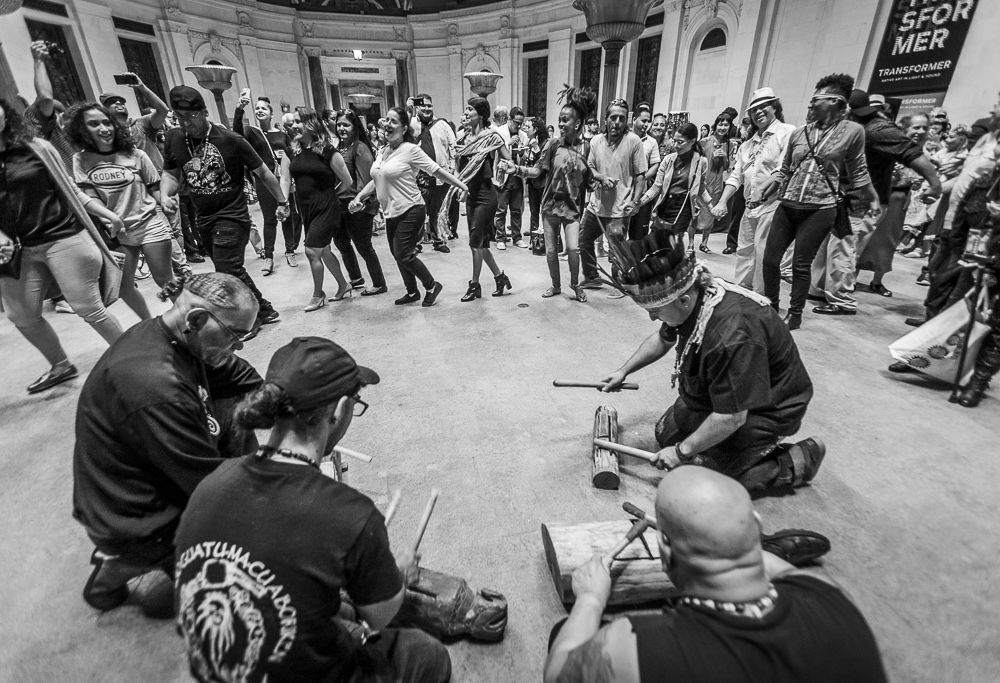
744, 614
437, 140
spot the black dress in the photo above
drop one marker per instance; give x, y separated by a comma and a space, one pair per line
316, 196
481, 205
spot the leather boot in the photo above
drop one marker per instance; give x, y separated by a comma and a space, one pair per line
502, 281
806, 456
475, 291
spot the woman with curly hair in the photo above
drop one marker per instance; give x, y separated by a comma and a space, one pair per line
564, 166
46, 214
817, 156
319, 170
719, 149
110, 169
538, 144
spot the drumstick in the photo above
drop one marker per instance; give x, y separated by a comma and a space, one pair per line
639, 513
390, 511
627, 450
590, 385
352, 454
638, 527
425, 519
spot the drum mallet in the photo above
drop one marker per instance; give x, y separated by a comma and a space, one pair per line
352, 454
627, 450
425, 519
590, 385
638, 527
390, 511
639, 513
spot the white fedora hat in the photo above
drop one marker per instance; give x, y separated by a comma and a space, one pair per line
761, 96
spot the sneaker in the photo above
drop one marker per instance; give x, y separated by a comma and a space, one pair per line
591, 283
923, 280
266, 316
502, 246
315, 303
615, 294
62, 306
290, 260
432, 294
916, 253
521, 244
268, 267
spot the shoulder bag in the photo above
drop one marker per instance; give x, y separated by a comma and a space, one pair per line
842, 222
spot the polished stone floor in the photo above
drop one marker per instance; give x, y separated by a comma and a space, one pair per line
908, 493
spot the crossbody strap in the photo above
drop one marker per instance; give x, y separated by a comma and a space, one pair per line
812, 152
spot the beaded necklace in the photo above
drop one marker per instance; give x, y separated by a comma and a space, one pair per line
267, 452
755, 609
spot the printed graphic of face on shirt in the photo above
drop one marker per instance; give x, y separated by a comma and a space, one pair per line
205, 172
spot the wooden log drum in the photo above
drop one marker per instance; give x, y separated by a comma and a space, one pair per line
637, 576
605, 474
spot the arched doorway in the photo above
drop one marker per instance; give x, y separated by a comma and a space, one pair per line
708, 74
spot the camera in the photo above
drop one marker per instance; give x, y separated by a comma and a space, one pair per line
53, 49
126, 79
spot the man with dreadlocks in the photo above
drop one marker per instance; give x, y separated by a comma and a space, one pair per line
743, 386
151, 423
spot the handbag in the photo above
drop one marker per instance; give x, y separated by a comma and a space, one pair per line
935, 347
12, 269
842, 222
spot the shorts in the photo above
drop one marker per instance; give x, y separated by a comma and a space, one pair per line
482, 229
320, 218
153, 229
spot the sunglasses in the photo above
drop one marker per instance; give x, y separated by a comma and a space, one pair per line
833, 98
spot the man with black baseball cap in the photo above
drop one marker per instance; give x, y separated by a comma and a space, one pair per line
272, 542
214, 162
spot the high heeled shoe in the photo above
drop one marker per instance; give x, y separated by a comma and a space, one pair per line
502, 281
475, 291
343, 293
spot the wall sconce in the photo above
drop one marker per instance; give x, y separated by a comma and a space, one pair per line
358, 55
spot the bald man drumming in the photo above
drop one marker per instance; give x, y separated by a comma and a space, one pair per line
744, 614
152, 422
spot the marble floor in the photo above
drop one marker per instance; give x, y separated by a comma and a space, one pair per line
908, 493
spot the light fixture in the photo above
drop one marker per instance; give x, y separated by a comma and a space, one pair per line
215, 78
483, 83
358, 55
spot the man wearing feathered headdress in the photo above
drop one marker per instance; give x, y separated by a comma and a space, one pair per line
743, 387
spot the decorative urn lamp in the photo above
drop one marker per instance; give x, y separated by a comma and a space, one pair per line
612, 23
362, 101
483, 83
216, 79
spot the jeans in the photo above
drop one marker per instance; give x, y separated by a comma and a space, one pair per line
638, 224
949, 280
291, 227
737, 209
534, 204
189, 222
834, 270
403, 232
227, 242
808, 228
74, 264
754, 230
453, 216
433, 198
751, 455
357, 228
553, 226
590, 232
510, 196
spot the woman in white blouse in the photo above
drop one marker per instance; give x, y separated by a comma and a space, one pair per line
394, 182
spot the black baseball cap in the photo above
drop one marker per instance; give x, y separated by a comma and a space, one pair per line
314, 371
186, 98
860, 104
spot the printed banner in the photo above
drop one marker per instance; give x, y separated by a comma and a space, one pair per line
921, 45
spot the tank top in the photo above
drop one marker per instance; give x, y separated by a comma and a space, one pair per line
813, 633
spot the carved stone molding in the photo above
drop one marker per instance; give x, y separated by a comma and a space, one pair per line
172, 8
505, 28
245, 22
480, 51
710, 6
198, 38
453, 34
400, 33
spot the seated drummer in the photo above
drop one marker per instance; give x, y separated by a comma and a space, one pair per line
152, 420
267, 544
743, 386
743, 615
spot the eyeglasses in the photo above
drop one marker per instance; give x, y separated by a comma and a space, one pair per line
832, 98
359, 406
236, 335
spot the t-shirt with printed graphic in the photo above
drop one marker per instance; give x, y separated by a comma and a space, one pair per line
123, 181
213, 170
263, 551
147, 432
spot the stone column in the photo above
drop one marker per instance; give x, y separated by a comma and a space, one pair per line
509, 87
402, 60
97, 29
459, 86
560, 68
176, 52
666, 75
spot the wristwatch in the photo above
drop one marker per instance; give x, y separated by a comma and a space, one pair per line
284, 203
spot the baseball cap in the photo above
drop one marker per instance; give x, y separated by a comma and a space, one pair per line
109, 97
859, 103
186, 98
315, 371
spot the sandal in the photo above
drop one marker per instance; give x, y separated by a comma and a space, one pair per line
879, 289
704, 249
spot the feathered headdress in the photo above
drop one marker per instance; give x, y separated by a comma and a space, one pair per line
654, 270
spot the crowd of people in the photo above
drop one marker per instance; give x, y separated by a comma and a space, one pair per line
622, 195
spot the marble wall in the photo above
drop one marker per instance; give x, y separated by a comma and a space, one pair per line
787, 44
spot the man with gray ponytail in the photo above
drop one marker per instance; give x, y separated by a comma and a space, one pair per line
272, 543
152, 422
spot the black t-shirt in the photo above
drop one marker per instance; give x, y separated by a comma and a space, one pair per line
214, 171
31, 206
481, 187
146, 433
312, 174
747, 360
263, 551
813, 634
